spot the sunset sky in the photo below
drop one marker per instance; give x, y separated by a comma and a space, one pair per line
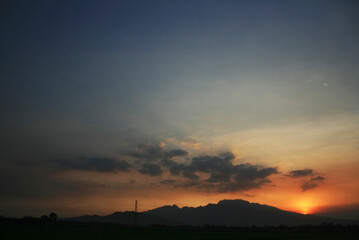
178, 102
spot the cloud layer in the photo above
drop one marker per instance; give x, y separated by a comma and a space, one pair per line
99, 164
214, 173
173, 167
311, 183
209, 172
300, 173
307, 184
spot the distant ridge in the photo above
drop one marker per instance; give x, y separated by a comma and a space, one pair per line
225, 213
126, 218
238, 213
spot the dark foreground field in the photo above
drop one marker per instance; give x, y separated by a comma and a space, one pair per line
88, 231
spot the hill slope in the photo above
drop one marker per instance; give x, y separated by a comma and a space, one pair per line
237, 213
127, 218
224, 213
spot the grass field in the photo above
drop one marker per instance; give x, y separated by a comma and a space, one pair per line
67, 231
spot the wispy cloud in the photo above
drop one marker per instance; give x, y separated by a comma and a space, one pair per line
300, 173
311, 183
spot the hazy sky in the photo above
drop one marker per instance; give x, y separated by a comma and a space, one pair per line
178, 102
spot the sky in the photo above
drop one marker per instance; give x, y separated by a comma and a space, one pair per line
178, 102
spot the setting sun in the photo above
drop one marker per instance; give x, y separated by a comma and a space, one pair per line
305, 211
304, 207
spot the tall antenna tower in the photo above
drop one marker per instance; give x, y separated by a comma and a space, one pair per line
135, 215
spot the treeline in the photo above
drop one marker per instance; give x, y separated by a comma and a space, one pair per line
322, 226
52, 217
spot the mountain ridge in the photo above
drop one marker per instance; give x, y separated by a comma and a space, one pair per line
227, 212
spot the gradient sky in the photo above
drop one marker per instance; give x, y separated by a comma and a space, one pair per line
178, 102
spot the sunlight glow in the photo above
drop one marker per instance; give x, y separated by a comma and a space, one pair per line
305, 207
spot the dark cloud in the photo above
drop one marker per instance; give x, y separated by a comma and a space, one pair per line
245, 172
228, 176
35, 179
189, 174
243, 185
247, 177
176, 153
168, 181
308, 185
99, 164
218, 177
304, 173
150, 158
209, 164
148, 152
224, 176
210, 172
301, 173
155, 152
34, 182
151, 169
190, 184
176, 169
318, 178
312, 183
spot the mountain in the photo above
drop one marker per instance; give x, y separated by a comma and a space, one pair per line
127, 218
238, 213
224, 213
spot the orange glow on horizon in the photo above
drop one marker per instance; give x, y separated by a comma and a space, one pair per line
305, 211
305, 206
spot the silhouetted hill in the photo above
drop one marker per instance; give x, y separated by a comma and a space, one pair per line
224, 213
124, 218
238, 213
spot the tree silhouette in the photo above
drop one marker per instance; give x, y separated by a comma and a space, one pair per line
53, 216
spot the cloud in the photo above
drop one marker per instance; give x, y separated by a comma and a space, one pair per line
175, 153
168, 181
189, 174
99, 164
243, 185
155, 152
248, 176
150, 158
151, 169
224, 176
218, 177
308, 185
304, 173
300, 173
176, 170
318, 178
148, 152
312, 183
210, 164
250, 172
216, 173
